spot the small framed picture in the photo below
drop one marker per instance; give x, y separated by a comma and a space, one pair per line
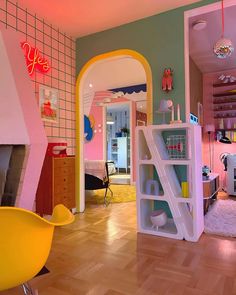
48, 103
141, 123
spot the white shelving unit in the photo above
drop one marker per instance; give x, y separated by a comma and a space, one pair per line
120, 152
170, 155
231, 175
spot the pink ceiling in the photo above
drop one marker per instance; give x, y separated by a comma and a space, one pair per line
83, 17
201, 42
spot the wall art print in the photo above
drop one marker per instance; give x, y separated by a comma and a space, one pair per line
48, 103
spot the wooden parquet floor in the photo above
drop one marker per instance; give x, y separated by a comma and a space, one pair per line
101, 254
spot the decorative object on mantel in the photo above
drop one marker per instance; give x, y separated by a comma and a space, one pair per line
158, 218
227, 78
167, 80
223, 48
193, 119
165, 107
173, 121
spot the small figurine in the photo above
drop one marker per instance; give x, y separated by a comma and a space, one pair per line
227, 78
167, 80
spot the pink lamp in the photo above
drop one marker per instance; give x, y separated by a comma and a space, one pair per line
209, 128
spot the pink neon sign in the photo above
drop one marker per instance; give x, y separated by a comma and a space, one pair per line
33, 59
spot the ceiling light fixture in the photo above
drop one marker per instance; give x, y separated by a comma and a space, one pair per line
110, 121
199, 25
223, 47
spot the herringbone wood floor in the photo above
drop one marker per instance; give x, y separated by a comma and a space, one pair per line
101, 254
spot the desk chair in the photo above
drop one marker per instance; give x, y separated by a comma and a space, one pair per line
25, 243
93, 182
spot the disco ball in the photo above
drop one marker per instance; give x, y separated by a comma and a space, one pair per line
223, 48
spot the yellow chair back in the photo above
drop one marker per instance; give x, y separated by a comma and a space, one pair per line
25, 242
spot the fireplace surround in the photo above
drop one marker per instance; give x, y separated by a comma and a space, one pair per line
23, 141
12, 159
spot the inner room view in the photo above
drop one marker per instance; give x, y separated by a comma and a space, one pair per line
113, 106
117, 147
212, 100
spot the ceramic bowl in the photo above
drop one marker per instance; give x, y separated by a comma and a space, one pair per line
58, 148
158, 218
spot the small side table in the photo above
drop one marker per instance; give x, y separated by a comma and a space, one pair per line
210, 189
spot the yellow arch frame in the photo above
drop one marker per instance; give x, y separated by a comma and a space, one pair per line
79, 177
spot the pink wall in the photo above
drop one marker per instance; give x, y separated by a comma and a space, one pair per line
93, 150
59, 49
208, 118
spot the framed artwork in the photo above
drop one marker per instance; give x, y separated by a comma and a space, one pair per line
200, 113
141, 123
48, 103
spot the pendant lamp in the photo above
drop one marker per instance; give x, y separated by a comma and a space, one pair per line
223, 47
225, 139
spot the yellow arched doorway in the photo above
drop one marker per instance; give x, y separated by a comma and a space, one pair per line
79, 168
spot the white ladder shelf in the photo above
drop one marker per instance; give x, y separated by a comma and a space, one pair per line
154, 161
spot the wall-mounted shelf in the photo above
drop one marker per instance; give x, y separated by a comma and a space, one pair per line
224, 94
222, 130
225, 117
223, 101
227, 108
224, 106
224, 84
156, 165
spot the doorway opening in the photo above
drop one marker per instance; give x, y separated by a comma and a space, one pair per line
210, 92
86, 96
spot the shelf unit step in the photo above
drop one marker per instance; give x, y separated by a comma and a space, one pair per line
225, 117
227, 100
224, 94
216, 85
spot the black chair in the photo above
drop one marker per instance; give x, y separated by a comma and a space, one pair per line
93, 183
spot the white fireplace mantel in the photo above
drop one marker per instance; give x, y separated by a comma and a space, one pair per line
20, 121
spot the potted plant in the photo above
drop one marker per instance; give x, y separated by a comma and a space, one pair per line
125, 131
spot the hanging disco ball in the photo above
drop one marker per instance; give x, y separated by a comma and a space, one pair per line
223, 48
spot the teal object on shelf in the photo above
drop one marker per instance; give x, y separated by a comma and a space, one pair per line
164, 206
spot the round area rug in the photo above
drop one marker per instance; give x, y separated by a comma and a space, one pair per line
121, 194
221, 218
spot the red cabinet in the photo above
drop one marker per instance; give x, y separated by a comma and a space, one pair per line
56, 185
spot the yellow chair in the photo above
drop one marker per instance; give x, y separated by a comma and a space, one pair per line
25, 242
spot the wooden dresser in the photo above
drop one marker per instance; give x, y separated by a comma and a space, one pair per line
56, 184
